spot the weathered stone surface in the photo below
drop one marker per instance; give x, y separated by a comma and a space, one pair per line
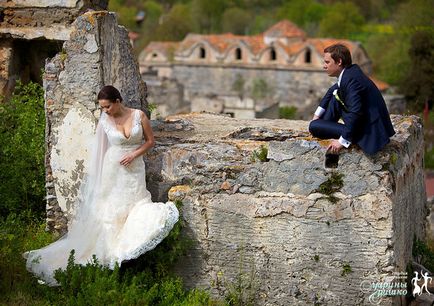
49, 19
32, 31
98, 53
269, 220
6, 85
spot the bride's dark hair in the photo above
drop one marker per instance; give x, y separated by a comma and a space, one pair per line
110, 93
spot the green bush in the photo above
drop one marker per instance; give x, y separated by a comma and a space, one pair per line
94, 284
22, 150
287, 112
423, 254
20, 233
429, 159
147, 280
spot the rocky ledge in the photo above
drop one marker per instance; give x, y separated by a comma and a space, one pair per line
266, 213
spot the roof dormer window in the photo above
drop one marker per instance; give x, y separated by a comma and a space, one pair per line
308, 57
273, 55
238, 54
202, 53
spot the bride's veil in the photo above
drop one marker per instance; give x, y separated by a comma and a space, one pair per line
83, 227
89, 189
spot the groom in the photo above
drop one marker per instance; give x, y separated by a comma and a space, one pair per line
356, 100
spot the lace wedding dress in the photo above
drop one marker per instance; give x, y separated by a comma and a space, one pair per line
116, 219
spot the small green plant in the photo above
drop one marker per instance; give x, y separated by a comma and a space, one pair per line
63, 55
238, 85
287, 112
316, 257
346, 269
393, 159
244, 289
423, 254
333, 184
152, 107
260, 154
260, 89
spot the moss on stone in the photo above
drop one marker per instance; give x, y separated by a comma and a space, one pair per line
346, 269
260, 154
333, 184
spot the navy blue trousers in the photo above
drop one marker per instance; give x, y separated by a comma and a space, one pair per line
327, 126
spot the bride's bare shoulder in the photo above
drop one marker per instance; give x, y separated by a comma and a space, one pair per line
142, 114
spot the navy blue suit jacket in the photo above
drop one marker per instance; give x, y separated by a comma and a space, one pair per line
365, 115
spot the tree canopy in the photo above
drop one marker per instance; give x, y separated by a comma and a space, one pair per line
384, 27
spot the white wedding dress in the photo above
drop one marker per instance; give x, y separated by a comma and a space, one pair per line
116, 219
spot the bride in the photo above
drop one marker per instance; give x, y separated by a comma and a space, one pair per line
116, 219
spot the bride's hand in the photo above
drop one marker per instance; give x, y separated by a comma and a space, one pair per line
127, 159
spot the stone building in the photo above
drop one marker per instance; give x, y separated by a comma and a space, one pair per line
244, 75
30, 32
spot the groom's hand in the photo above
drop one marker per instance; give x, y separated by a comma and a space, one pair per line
315, 117
335, 147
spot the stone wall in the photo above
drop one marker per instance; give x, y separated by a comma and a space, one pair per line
30, 32
98, 53
29, 19
273, 224
167, 95
300, 88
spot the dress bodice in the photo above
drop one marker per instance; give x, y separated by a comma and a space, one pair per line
116, 137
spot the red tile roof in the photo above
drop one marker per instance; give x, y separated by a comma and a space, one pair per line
285, 28
321, 43
162, 46
382, 86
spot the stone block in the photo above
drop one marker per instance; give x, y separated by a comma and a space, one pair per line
296, 232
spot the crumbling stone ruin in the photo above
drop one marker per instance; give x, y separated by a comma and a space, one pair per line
266, 213
259, 203
98, 53
33, 30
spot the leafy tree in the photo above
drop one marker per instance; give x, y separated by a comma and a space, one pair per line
305, 13
414, 15
208, 14
22, 150
176, 24
341, 20
236, 20
389, 53
418, 86
262, 22
126, 14
153, 11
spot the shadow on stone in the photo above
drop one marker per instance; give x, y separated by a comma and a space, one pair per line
331, 160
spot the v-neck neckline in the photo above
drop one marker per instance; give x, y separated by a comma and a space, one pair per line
123, 131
